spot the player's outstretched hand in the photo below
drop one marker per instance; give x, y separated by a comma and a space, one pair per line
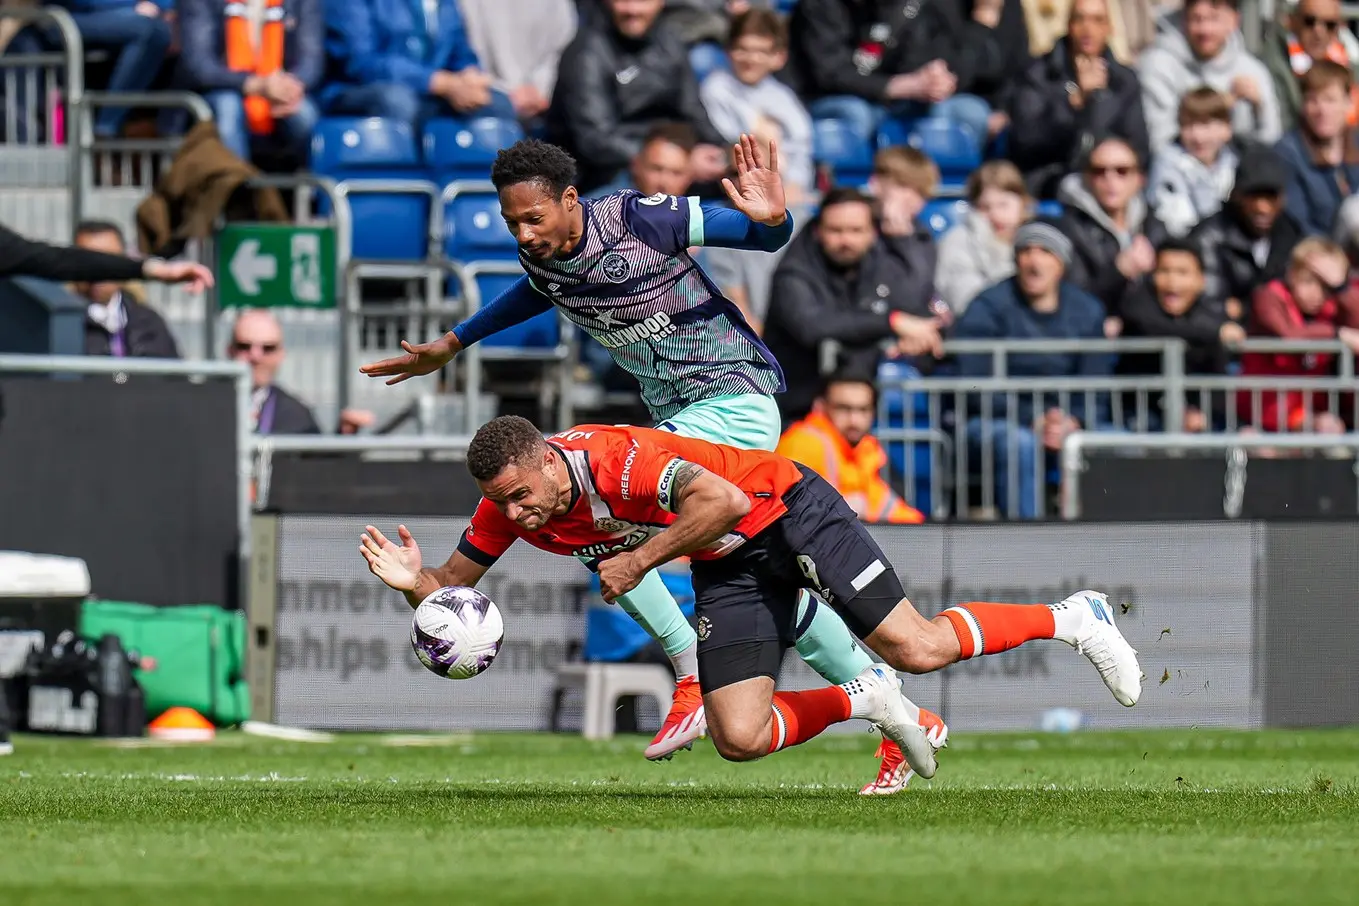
194, 275
420, 358
618, 576
758, 190
399, 567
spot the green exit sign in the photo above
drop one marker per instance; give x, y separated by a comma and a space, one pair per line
264, 265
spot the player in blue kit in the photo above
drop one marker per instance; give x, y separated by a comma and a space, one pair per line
619, 268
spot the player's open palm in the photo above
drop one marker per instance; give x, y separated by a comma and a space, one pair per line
758, 190
420, 358
396, 565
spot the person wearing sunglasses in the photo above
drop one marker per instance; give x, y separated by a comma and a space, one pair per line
257, 340
1112, 229
1312, 31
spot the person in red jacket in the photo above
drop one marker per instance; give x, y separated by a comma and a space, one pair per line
1312, 302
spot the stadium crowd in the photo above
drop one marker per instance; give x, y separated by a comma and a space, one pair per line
1129, 169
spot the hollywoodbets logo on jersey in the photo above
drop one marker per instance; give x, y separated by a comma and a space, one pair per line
655, 327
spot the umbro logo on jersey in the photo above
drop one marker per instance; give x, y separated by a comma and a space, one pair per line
554, 287
656, 327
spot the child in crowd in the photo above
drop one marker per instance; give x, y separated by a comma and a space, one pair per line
1168, 303
980, 251
1314, 301
748, 99
1192, 177
903, 179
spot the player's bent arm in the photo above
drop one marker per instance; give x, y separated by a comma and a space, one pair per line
730, 229
514, 306
707, 506
459, 570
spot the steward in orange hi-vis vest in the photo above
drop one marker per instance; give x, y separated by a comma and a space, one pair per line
856, 472
261, 56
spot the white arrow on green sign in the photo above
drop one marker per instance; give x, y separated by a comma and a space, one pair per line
276, 265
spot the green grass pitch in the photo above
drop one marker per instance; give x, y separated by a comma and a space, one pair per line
1158, 818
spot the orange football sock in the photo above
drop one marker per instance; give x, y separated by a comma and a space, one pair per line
798, 716
987, 628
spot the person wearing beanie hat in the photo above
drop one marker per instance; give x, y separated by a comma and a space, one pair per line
1037, 303
1248, 242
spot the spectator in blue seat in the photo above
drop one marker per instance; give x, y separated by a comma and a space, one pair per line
135, 32
256, 63
749, 99
388, 59
865, 60
1035, 304
617, 78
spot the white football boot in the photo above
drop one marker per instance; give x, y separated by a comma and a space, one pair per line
1098, 639
892, 713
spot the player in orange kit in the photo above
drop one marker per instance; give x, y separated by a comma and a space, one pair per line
758, 528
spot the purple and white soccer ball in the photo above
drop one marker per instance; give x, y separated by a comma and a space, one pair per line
457, 632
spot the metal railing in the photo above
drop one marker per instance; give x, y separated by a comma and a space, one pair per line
1233, 446
982, 446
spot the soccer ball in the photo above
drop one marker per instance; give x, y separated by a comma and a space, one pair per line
457, 632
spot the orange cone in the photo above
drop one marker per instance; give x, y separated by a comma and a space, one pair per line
182, 725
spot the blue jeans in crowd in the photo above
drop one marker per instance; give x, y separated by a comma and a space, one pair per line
137, 43
401, 102
291, 134
866, 117
1013, 447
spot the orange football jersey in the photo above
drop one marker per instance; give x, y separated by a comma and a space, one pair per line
621, 494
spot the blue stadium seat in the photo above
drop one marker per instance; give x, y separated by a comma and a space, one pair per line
362, 151
1049, 208
784, 6
707, 57
474, 230
538, 334
465, 148
847, 152
372, 144
952, 146
941, 214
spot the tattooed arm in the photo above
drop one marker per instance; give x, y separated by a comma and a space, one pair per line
706, 506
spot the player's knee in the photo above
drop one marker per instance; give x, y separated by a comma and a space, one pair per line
740, 743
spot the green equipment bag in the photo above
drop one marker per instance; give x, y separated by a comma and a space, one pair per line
199, 652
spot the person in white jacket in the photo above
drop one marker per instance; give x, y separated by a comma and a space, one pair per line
980, 251
1191, 177
1203, 46
748, 99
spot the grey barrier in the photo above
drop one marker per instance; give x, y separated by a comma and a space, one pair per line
1193, 598
1233, 447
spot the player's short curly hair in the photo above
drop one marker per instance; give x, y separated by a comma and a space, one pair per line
531, 160
504, 440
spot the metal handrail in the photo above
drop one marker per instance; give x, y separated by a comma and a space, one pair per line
467, 275
74, 49
1076, 443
